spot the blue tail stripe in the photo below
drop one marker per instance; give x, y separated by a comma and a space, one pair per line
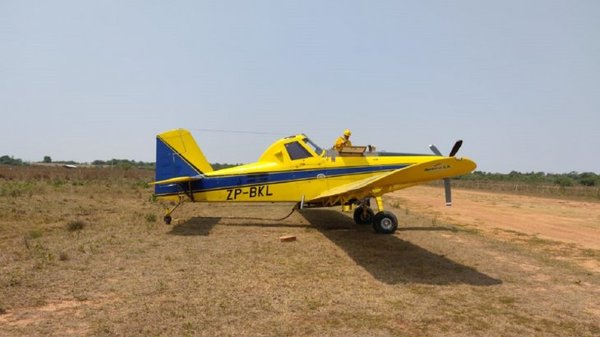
170, 164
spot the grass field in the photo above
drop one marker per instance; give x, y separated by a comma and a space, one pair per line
84, 252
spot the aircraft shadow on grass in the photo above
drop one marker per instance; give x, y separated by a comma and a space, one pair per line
195, 226
390, 259
203, 225
387, 257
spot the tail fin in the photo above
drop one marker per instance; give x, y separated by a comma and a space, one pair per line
178, 156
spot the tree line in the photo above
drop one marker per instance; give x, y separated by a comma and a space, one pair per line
120, 163
562, 179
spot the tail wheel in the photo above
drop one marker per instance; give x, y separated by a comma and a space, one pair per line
385, 222
167, 219
363, 215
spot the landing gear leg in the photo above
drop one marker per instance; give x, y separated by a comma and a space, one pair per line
379, 201
384, 222
168, 217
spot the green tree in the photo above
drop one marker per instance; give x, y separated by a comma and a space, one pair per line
10, 161
47, 159
588, 179
563, 181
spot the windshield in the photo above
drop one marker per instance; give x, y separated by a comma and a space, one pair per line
319, 151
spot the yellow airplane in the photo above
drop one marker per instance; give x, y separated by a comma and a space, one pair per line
294, 169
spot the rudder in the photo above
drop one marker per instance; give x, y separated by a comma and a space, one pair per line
178, 155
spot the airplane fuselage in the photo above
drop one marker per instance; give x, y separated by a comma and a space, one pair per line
292, 170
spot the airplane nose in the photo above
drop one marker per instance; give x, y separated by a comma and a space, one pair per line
466, 164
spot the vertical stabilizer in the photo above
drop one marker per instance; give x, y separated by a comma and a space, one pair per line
178, 155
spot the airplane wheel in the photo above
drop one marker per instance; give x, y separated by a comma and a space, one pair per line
385, 222
362, 218
167, 219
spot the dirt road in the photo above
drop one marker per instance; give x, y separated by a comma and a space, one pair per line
554, 219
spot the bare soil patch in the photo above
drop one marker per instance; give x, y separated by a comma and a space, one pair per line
554, 219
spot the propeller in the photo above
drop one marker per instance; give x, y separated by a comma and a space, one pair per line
455, 148
447, 186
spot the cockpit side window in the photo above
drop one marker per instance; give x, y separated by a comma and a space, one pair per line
297, 151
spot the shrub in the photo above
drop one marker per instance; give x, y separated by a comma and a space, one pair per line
150, 217
15, 189
35, 233
63, 256
588, 179
75, 225
563, 181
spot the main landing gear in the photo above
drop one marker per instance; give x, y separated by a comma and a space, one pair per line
384, 222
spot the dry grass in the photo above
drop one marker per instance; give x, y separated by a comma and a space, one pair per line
216, 272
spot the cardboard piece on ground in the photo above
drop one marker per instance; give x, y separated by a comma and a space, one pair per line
287, 238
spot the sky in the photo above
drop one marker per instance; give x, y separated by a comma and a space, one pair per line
518, 81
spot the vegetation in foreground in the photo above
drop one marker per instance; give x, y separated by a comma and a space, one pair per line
82, 253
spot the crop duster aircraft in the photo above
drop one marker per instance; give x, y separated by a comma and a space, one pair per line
294, 169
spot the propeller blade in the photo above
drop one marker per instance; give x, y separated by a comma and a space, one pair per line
455, 148
448, 189
435, 150
447, 185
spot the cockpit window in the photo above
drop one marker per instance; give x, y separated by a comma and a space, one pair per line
315, 147
297, 151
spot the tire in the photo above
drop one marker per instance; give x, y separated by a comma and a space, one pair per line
385, 222
167, 219
362, 218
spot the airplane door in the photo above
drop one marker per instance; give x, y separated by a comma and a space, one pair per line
308, 172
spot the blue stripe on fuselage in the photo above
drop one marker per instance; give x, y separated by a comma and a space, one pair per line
236, 181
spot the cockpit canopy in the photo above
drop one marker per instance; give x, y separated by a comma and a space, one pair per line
299, 149
292, 148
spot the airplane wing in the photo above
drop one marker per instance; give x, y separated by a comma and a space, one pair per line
398, 179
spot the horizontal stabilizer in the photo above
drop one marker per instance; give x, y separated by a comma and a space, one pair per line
177, 180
